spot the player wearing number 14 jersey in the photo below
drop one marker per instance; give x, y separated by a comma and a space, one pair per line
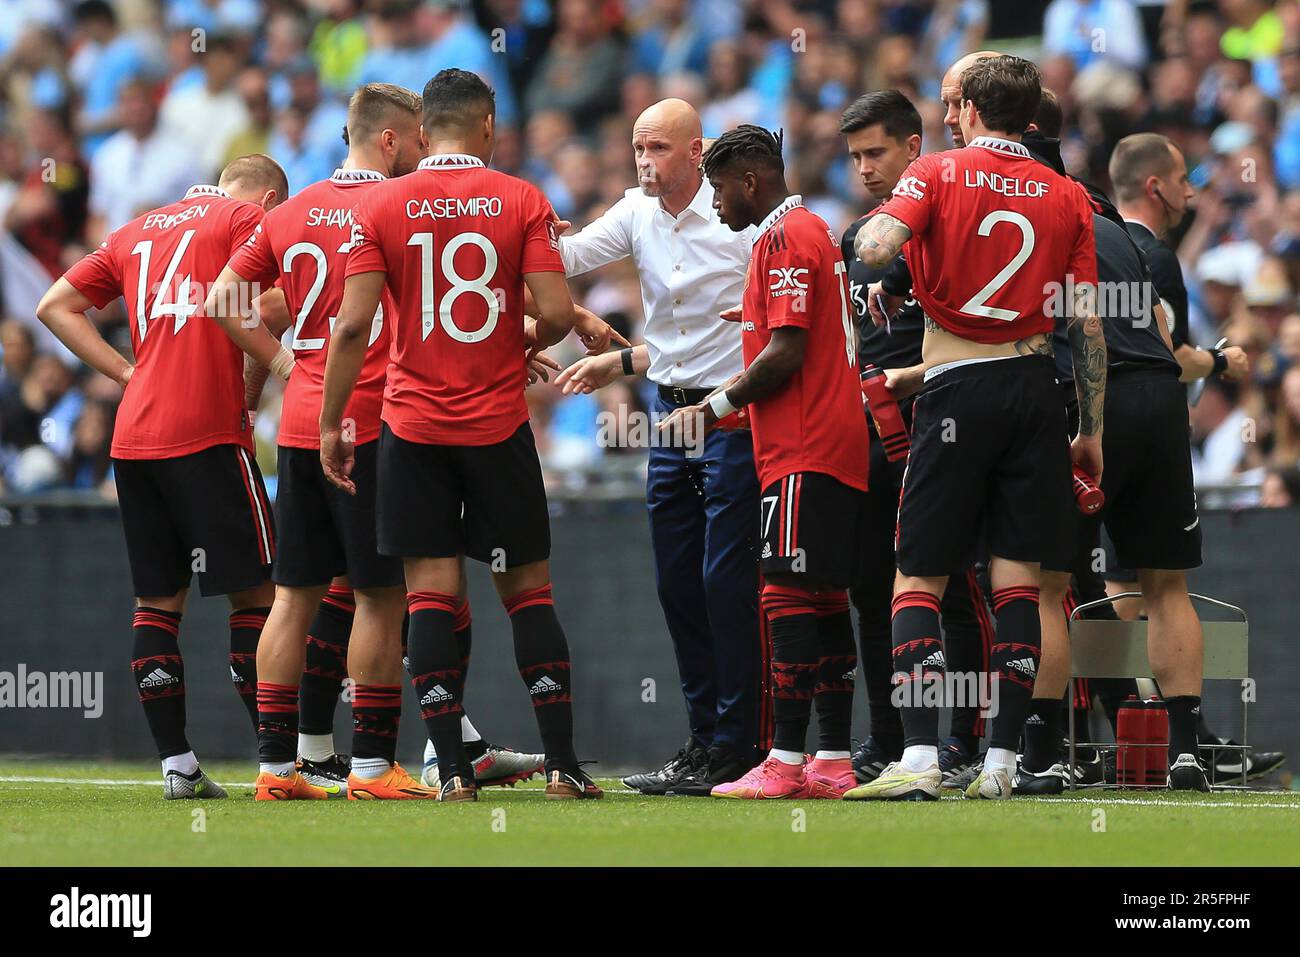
995, 242
811, 448
190, 492
455, 243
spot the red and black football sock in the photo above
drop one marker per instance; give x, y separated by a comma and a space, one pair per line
327, 661
245, 630
837, 663
1042, 734
967, 642
277, 723
918, 661
1184, 713
160, 677
542, 656
1014, 660
438, 678
792, 615
463, 627
376, 711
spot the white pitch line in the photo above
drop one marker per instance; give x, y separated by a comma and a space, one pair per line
1268, 804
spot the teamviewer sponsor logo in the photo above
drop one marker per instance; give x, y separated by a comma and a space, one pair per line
53, 689
436, 695
544, 685
787, 281
75, 910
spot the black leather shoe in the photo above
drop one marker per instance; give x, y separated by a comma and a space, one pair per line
722, 765
638, 782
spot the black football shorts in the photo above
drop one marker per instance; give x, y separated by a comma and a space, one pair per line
812, 524
990, 458
324, 531
205, 513
486, 501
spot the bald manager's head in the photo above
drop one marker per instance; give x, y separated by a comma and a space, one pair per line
950, 92
667, 143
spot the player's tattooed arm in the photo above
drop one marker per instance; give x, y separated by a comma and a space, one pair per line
1088, 352
880, 240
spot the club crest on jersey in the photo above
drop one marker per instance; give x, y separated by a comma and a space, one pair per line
911, 187
787, 281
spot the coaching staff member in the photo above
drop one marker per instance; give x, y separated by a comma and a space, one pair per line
702, 507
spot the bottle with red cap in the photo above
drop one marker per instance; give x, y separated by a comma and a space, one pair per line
1130, 735
1087, 494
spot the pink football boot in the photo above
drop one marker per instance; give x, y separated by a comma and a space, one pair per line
771, 780
829, 777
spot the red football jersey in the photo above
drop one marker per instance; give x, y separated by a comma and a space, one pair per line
994, 231
303, 244
187, 391
815, 422
455, 239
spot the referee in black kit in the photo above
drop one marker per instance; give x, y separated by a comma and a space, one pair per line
883, 133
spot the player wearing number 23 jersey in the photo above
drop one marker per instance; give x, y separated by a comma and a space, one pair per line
303, 244
810, 436
182, 445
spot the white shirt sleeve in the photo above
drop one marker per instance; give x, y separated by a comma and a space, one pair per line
603, 241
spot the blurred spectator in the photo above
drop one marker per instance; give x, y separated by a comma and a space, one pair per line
1219, 426
580, 72
254, 90
1089, 31
209, 115
1281, 488
105, 60
48, 213
139, 168
670, 41
339, 44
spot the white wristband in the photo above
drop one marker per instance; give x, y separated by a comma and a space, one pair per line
720, 404
282, 364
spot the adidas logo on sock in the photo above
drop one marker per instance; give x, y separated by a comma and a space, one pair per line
1034, 719
544, 685
935, 660
849, 675
157, 678
1024, 666
767, 550
235, 676
436, 695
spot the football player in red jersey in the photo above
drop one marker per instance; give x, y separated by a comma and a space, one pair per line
811, 446
189, 488
456, 243
989, 234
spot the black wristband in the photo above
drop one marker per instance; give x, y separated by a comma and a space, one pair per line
1220, 362
626, 355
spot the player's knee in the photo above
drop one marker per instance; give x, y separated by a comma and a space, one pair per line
174, 602
521, 578
1162, 585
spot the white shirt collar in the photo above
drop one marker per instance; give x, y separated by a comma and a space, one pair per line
1000, 145
701, 203
344, 177
450, 161
787, 204
202, 189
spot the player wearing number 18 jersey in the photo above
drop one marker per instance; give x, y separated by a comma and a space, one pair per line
190, 492
990, 234
455, 243
811, 447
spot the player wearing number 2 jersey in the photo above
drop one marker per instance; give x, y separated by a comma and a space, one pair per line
994, 239
810, 444
455, 243
190, 491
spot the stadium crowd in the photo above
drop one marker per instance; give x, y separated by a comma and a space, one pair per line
113, 108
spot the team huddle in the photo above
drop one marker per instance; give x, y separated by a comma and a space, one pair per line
918, 396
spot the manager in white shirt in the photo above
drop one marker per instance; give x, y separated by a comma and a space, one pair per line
703, 508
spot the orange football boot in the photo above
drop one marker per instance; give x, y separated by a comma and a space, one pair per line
289, 787
393, 785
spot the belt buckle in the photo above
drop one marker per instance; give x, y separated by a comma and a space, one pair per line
679, 395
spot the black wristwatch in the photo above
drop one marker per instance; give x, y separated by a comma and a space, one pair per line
626, 355
1220, 362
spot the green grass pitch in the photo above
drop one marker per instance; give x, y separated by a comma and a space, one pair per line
69, 816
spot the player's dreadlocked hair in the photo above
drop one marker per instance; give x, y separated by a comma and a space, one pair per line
748, 144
